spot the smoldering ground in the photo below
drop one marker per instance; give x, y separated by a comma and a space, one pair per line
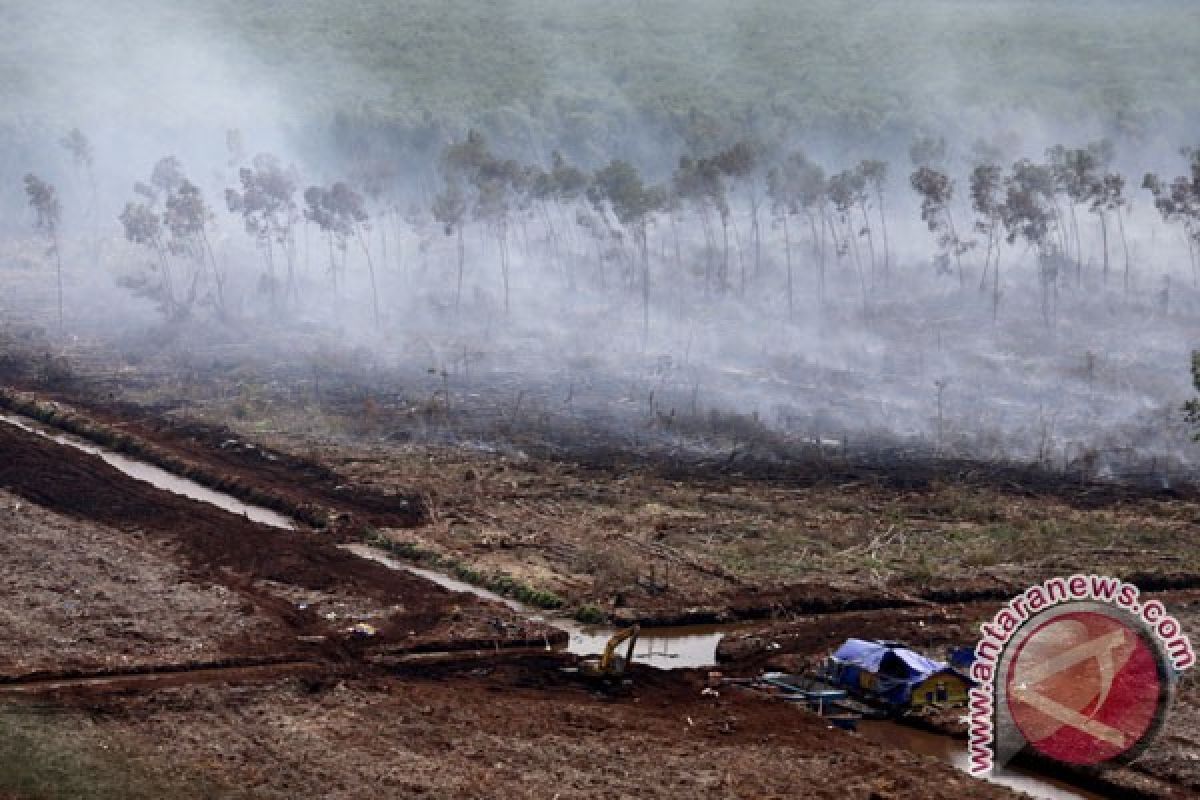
689, 337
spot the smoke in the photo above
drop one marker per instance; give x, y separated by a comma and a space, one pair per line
1076, 372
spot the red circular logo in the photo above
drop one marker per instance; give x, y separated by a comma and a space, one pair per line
1085, 687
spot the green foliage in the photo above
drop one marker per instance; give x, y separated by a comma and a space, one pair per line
588, 69
590, 614
621, 186
43, 199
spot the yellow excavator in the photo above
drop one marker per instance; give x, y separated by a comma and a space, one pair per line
611, 665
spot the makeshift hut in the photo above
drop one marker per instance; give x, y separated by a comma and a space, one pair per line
891, 673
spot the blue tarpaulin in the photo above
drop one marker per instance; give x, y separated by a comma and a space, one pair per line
895, 669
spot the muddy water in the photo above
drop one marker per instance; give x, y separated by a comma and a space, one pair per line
156, 477
954, 751
445, 581
665, 648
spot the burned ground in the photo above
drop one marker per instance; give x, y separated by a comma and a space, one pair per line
166, 582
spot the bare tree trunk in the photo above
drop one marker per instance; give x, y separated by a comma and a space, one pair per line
167, 283
502, 239
962, 276
870, 240
987, 257
58, 271
645, 282
332, 264
1078, 246
461, 258
709, 246
1191, 243
723, 282
1060, 227
787, 254
737, 243
675, 238
754, 227
307, 256
1104, 242
887, 266
366, 248
289, 247
862, 278
218, 280
1124, 245
270, 256
822, 259
383, 256
996, 288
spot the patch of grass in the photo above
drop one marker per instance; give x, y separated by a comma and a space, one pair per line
499, 582
590, 614
42, 761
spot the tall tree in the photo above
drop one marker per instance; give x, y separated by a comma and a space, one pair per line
874, 172
1179, 202
450, 211
43, 199
698, 182
937, 190
739, 163
988, 205
847, 190
187, 217
619, 187
341, 213
267, 204
1029, 214
143, 225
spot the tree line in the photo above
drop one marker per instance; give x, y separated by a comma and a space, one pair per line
727, 194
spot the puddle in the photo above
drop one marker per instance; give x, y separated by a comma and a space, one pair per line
159, 478
954, 752
666, 648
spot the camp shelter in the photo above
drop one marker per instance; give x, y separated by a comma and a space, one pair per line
896, 675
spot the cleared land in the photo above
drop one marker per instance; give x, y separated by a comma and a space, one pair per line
632, 538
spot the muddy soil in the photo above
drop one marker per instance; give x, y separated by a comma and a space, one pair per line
513, 731
1171, 768
77, 595
641, 544
827, 555
636, 534
293, 587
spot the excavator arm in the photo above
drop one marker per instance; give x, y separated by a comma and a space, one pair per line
609, 663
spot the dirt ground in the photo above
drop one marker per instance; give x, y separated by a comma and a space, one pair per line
82, 596
136, 563
1171, 767
101, 574
511, 732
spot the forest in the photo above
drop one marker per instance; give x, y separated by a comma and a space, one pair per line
929, 273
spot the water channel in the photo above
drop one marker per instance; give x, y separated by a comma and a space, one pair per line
665, 648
